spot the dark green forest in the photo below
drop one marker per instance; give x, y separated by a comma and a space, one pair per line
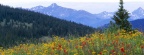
19, 25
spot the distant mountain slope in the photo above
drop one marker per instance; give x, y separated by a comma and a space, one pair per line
138, 24
17, 23
83, 17
78, 16
138, 14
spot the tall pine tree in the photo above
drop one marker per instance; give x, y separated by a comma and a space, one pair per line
121, 18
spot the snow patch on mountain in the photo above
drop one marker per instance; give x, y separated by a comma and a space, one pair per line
137, 14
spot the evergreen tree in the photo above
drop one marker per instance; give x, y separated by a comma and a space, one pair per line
121, 18
19, 26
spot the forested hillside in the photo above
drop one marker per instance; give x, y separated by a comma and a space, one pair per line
138, 24
18, 24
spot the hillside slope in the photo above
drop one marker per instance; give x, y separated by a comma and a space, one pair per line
138, 24
16, 24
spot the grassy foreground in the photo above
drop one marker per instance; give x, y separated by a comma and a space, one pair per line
118, 43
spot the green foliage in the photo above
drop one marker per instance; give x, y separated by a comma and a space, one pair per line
112, 28
17, 24
121, 18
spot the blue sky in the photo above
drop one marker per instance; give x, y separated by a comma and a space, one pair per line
92, 6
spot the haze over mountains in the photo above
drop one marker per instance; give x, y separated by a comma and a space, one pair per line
83, 17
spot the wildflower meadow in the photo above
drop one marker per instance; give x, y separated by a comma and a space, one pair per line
120, 43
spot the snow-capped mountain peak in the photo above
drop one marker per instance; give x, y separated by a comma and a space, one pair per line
105, 15
139, 11
53, 5
37, 7
105, 12
137, 14
83, 17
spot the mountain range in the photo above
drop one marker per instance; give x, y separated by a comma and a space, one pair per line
78, 16
82, 16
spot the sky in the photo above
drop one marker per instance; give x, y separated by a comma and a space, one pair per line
92, 6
